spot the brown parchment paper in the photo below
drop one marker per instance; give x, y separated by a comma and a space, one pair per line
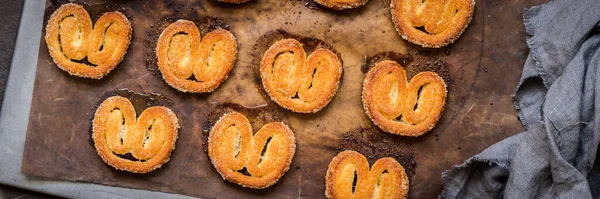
481, 70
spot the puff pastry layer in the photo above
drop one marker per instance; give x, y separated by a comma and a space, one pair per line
147, 140
82, 50
401, 107
296, 82
193, 64
385, 179
342, 4
265, 156
432, 23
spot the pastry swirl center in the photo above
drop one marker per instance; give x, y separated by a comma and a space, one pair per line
250, 160
83, 49
349, 176
296, 82
146, 141
434, 16
194, 64
401, 107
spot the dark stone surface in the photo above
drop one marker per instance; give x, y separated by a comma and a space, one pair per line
9, 21
13, 193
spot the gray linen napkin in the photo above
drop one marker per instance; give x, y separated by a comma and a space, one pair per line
556, 98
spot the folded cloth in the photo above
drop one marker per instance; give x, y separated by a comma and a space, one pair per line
556, 98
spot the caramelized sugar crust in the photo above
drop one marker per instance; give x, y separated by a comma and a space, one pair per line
193, 64
299, 83
349, 176
401, 107
84, 50
137, 145
265, 156
429, 23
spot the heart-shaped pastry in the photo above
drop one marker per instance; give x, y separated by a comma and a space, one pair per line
255, 161
342, 4
429, 23
190, 64
82, 51
298, 83
136, 145
349, 176
399, 107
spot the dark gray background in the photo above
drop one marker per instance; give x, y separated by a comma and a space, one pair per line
10, 16
10, 13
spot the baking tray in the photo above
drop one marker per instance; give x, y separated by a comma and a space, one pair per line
478, 113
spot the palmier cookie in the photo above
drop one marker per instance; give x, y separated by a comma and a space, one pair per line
385, 179
399, 107
136, 145
432, 24
191, 64
342, 4
82, 50
298, 83
265, 156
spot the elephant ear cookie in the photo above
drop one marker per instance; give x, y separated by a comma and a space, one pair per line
84, 50
136, 145
401, 107
349, 176
193, 64
429, 23
342, 4
255, 161
296, 82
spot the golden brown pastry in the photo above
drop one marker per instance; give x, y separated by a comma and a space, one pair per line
399, 107
432, 24
385, 179
72, 41
147, 140
265, 157
298, 83
342, 4
191, 64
